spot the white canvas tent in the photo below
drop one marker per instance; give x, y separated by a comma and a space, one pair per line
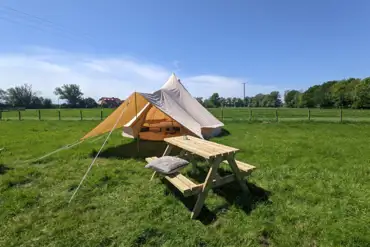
170, 111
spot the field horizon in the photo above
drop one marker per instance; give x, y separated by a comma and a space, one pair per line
223, 114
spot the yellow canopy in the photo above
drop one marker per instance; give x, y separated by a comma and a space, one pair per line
130, 108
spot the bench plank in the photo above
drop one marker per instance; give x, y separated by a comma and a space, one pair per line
182, 183
243, 167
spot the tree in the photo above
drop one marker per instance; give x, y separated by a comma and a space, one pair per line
215, 99
2, 96
90, 103
209, 104
362, 94
266, 101
229, 102
70, 92
339, 94
200, 100
325, 99
309, 97
239, 102
222, 101
233, 101
257, 100
350, 91
20, 96
247, 101
291, 98
47, 103
37, 102
274, 99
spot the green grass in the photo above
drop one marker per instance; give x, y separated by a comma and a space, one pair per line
311, 188
226, 114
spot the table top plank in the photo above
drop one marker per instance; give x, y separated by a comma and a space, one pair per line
207, 146
204, 148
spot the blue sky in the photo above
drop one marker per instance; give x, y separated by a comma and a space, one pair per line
114, 47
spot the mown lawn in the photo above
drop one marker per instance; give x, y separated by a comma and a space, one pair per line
311, 188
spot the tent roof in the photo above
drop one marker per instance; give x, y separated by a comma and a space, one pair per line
174, 100
174, 89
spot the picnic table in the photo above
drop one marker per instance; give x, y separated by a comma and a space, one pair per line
215, 154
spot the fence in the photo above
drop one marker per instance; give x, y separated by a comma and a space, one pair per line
224, 114
52, 114
290, 114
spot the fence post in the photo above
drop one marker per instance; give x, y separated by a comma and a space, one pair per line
101, 114
309, 114
341, 114
19, 115
39, 115
81, 114
276, 115
250, 115
59, 114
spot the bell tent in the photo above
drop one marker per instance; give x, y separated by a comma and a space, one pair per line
169, 111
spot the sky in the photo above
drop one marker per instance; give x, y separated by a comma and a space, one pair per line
114, 47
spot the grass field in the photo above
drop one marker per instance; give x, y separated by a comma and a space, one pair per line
311, 188
225, 114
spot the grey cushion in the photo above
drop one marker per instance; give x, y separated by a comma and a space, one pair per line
167, 164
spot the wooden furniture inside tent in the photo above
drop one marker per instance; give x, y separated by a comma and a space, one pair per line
158, 126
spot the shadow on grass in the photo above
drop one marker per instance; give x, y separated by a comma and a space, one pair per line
206, 216
224, 132
4, 169
231, 192
135, 149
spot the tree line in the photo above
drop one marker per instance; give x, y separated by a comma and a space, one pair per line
346, 93
25, 96
272, 99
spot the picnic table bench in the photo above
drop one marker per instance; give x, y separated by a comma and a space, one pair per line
215, 154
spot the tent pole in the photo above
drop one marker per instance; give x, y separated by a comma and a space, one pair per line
138, 135
135, 106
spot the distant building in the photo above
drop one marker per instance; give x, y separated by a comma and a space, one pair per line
109, 102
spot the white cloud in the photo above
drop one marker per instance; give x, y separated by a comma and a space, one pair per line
109, 76
225, 86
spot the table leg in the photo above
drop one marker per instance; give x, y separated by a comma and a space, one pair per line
236, 171
190, 157
193, 163
207, 185
167, 151
182, 153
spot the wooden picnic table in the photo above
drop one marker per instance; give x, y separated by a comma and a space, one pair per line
214, 153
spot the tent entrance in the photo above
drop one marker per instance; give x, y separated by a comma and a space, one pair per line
157, 126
